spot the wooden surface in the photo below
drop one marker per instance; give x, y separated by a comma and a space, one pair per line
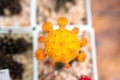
106, 21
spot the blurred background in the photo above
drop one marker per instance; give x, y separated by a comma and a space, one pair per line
105, 20
106, 17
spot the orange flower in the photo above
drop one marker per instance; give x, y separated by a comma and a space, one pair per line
39, 54
75, 30
81, 57
83, 42
62, 21
67, 66
47, 26
41, 39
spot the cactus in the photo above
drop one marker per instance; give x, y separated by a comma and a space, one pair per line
61, 45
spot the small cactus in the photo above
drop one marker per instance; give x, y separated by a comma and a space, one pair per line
61, 45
